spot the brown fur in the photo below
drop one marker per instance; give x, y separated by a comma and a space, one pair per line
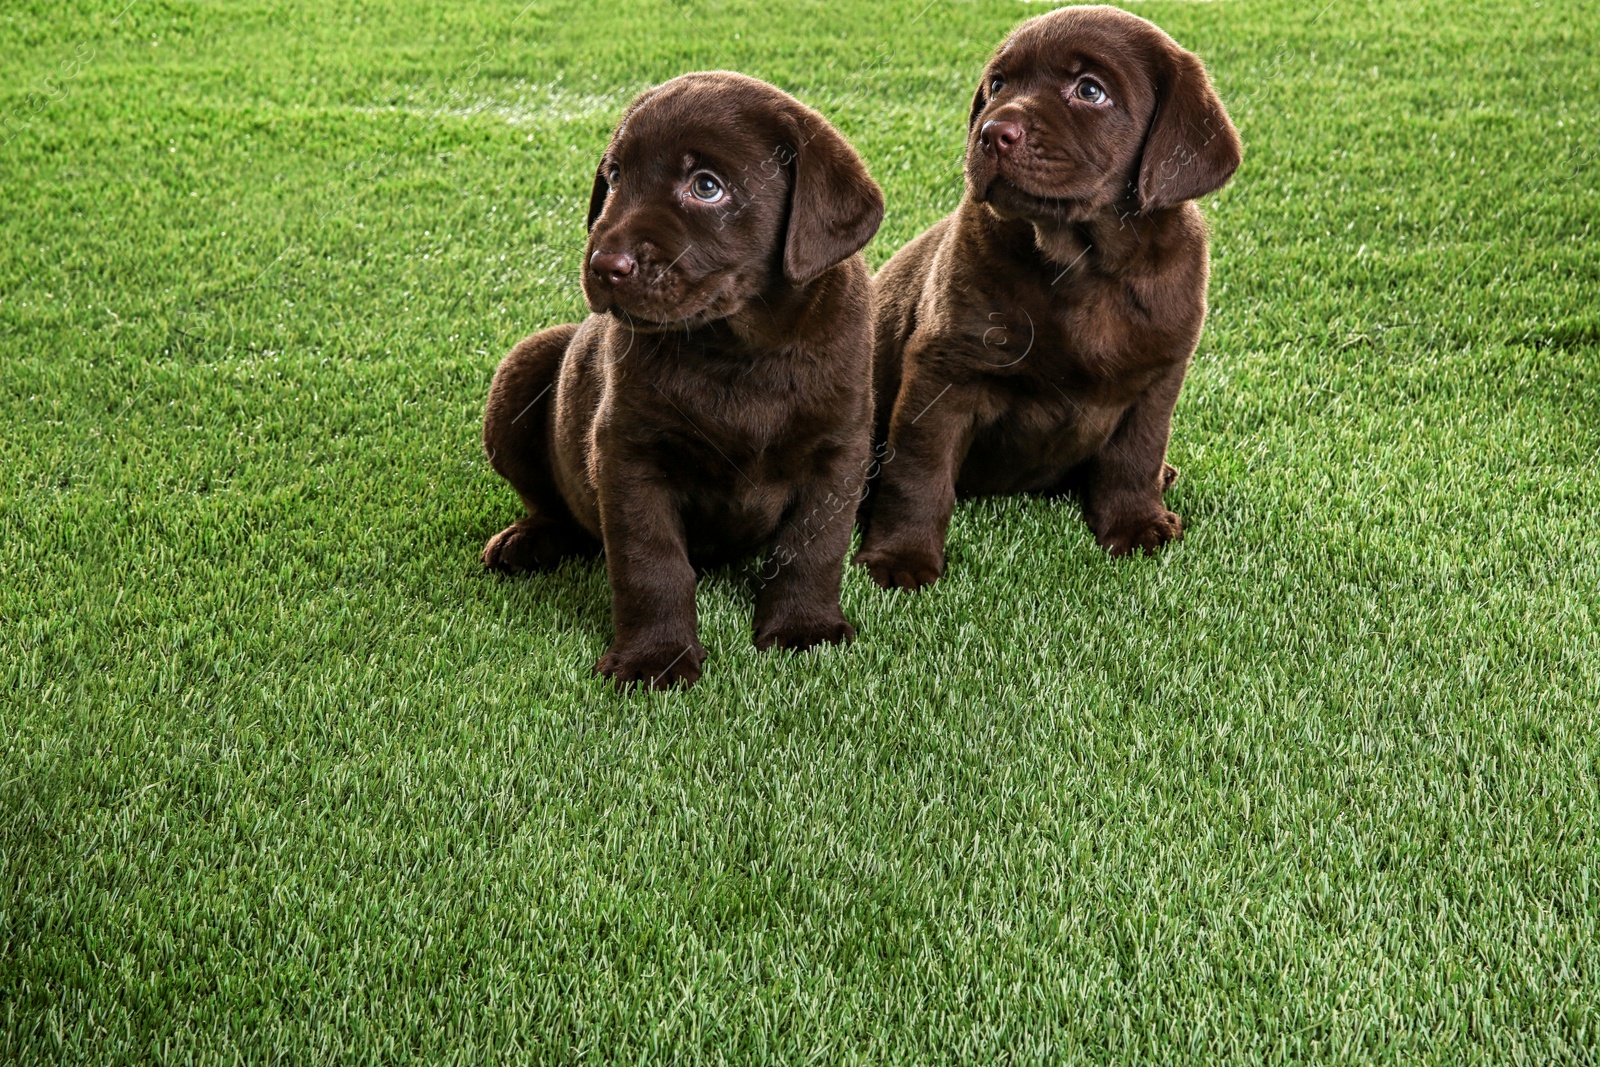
717, 402
1036, 339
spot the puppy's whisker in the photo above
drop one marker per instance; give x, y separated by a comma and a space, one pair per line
633, 336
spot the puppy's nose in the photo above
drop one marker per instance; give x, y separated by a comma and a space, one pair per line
614, 267
1000, 137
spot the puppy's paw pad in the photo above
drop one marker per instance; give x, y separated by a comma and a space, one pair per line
803, 634
892, 570
1146, 534
655, 668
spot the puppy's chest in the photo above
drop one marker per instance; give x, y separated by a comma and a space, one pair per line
752, 418
1053, 388
1091, 338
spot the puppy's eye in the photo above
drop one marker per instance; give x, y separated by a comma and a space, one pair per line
996, 84
706, 188
613, 176
1092, 91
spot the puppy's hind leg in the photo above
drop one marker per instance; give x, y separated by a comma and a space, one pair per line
516, 436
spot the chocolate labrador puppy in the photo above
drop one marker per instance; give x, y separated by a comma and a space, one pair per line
717, 402
1036, 339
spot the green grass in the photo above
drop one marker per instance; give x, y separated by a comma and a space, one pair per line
284, 776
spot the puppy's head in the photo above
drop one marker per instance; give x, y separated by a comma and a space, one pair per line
1087, 108
717, 188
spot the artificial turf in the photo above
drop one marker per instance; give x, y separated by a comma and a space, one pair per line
285, 777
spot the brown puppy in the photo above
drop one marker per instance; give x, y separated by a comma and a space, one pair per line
1036, 339
717, 402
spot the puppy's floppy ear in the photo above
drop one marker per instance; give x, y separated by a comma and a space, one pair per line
1191, 148
977, 103
597, 196
834, 206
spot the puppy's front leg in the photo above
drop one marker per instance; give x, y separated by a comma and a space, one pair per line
1122, 492
652, 581
797, 604
929, 434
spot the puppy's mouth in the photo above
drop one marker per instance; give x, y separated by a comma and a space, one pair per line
640, 324
1010, 199
1004, 189
663, 309
1008, 189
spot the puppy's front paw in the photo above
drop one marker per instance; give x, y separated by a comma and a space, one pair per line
901, 569
1147, 532
801, 634
658, 667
